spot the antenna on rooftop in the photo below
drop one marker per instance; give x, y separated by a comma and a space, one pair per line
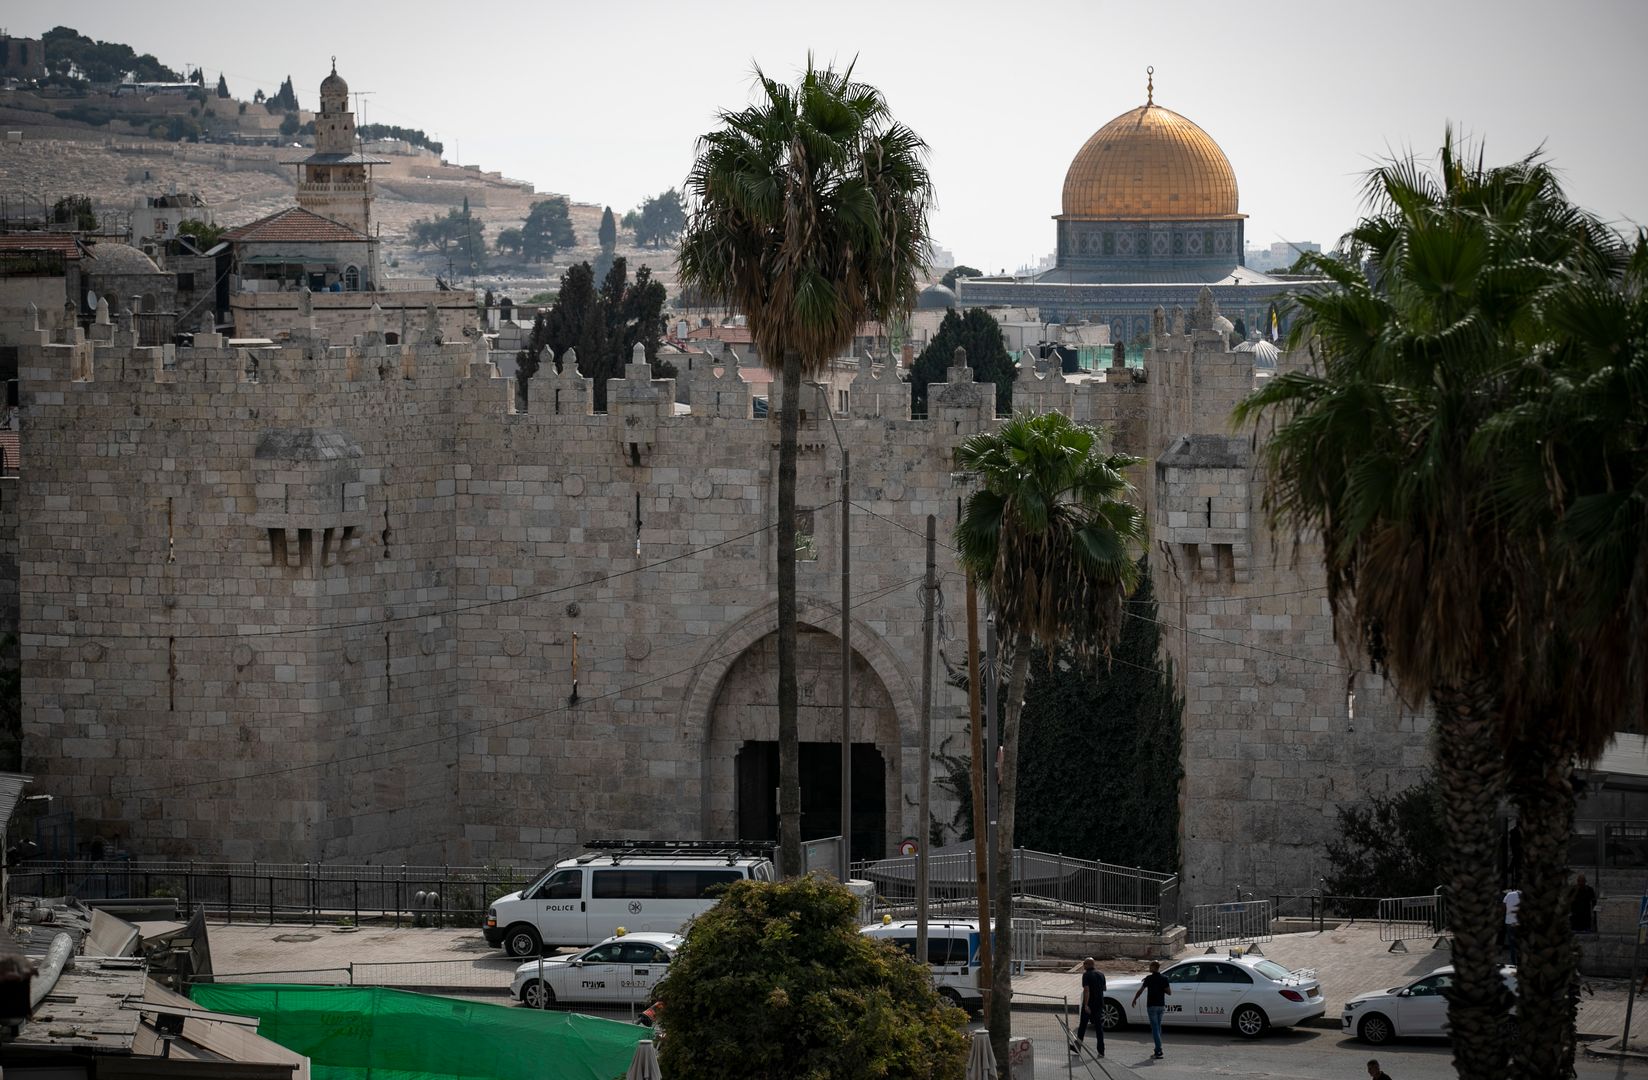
360, 107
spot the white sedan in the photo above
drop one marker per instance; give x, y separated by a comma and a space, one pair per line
618, 971
1417, 1009
1247, 993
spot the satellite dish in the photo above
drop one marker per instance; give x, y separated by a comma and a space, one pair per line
91, 299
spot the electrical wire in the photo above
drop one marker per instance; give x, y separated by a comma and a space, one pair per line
290, 770
478, 605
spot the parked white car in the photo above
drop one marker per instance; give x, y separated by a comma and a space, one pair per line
1416, 1009
621, 970
1247, 993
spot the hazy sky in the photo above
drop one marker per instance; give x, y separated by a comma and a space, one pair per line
603, 101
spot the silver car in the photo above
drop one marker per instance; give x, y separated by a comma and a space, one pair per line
621, 970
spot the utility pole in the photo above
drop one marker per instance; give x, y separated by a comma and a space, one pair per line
846, 675
981, 818
991, 738
929, 594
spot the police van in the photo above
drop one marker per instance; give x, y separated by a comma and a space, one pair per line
640, 885
952, 955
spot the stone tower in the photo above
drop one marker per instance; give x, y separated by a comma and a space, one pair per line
336, 180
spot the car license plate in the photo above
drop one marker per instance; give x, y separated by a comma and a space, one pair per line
1312, 991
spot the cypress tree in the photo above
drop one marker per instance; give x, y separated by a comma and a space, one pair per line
978, 333
1099, 762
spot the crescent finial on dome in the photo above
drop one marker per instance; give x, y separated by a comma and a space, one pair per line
1149, 85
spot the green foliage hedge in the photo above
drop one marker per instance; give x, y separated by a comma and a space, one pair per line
776, 981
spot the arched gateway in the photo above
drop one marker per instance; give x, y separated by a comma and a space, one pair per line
731, 711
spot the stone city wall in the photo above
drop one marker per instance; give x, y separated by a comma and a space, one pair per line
1273, 745
347, 602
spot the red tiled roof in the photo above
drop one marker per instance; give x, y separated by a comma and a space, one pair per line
731, 335
58, 243
293, 225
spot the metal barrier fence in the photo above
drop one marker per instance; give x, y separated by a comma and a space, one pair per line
1057, 888
1029, 943
1319, 909
432, 895
1412, 918
1245, 922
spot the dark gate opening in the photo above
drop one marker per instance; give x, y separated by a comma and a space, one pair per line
757, 794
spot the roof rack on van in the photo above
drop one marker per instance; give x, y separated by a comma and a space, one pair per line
730, 849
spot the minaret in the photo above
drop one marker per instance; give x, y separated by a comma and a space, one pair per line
335, 181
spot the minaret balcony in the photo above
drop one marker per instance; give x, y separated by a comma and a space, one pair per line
333, 187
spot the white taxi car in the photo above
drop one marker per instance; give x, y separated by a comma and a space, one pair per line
621, 970
1247, 993
1417, 1009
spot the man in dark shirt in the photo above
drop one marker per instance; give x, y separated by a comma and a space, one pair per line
1584, 903
1375, 1072
1092, 1006
1157, 990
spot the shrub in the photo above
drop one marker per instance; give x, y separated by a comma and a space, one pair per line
776, 981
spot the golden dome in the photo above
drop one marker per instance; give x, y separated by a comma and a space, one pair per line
1150, 163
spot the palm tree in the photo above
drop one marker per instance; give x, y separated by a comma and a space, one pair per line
1420, 345
1052, 539
809, 215
1576, 488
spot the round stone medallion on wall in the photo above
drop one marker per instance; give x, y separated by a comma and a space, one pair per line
352, 652
573, 485
242, 655
92, 652
514, 643
426, 644
702, 488
894, 491
637, 646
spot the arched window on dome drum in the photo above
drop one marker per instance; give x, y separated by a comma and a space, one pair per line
351, 279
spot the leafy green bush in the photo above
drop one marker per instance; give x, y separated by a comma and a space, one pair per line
1389, 845
776, 981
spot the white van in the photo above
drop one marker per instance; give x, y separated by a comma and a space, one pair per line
952, 955
638, 885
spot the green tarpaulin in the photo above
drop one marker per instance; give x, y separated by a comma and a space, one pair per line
356, 1032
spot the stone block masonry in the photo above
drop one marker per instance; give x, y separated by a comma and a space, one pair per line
347, 601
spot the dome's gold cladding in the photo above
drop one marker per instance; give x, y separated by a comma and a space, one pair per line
1150, 163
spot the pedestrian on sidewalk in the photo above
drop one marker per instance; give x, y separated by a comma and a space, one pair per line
1157, 990
1092, 1006
1582, 910
1513, 901
1375, 1072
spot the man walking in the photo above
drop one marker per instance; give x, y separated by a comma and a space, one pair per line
1092, 1006
1375, 1072
1157, 990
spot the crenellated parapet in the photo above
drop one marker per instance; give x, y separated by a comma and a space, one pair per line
965, 405
878, 392
1051, 392
715, 388
637, 405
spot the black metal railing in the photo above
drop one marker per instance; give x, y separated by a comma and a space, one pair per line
312, 892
